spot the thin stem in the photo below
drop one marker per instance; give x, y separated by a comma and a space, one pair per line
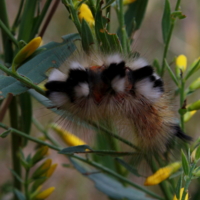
26, 184
51, 13
9, 34
41, 128
122, 27
182, 99
16, 142
168, 39
22, 79
4, 106
16, 22
94, 164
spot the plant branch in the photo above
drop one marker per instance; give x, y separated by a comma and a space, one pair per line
22, 79
94, 164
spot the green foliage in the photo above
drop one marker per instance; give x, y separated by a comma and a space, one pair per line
103, 157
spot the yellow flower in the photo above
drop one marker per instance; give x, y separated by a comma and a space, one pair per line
68, 138
41, 152
86, 14
181, 62
125, 2
181, 193
45, 193
51, 170
188, 115
43, 168
26, 51
162, 174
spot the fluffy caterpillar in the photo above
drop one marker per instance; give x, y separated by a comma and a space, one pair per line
126, 90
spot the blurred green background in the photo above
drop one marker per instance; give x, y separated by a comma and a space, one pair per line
71, 185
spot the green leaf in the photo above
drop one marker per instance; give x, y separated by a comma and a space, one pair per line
108, 42
19, 195
197, 154
75, 149
109, 186
156, 65
86, 36
166, 21
26, 114
17, 176
54, 55
134, 15
171, 73
5, 134
128, 167
193, 70
185, 163
109, 2
178, 187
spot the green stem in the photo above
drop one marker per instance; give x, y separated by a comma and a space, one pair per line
9, 34
168, 40
22, 79
122, 27
98, 166
40, 18
17, 20
182, 99
26, 184
40, 127
7, 44
16, 143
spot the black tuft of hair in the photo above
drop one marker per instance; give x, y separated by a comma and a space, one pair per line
180, 134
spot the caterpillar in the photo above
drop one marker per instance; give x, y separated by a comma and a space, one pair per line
124, 89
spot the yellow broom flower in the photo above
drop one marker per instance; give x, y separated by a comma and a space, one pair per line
188, 115
162, 174
45, 193
181, 193
181, 62
43, 168
86, 14
68, 138
51, 170
26, 51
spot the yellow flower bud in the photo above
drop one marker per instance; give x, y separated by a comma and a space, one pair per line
86, 14
44, 194
41, 152
162, 174
125, 2
68, 138
181, 62
43, 168
51, 170
193, 155
194, 106
188, 115
26, 51
181, 193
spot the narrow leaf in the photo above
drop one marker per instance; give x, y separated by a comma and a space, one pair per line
197, 154
19, 195
86, 36
178, 187
109, 186
134, 15
128, 167
166, 21
5, 134
75, 149
185, 163
16, 175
